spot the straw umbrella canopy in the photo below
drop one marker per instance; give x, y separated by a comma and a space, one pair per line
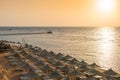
52, 53
73, 73
65, 59
40, 63
66, 69
42, 54
23, 64
50, 60
29, 75
39, 73
36, 48
110, 72
47, 78
83, 63
45, 51
68, 57
83, 68
73, 62
56, 75
59, 56
58, 64
46, 68
24, 78
94, 72
94, 65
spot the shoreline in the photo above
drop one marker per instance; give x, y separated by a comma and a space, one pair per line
27, 61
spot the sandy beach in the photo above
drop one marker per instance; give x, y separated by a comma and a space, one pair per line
26, 62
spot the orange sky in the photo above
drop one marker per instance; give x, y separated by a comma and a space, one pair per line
57, 13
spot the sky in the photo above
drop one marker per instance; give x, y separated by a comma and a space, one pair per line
60, 13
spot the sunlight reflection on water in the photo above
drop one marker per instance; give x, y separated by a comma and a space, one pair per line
107, 38
107, 47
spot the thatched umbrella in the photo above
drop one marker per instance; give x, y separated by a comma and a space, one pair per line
58, 64
110, 72
4, 47
73, 62
83, 63
56, 75
39, 63
52, 53
50, 60
83, 68
73, 73
65, 59
94, 65
46, 68
66, 69
68, 57
59, 56
93, 72
29, 75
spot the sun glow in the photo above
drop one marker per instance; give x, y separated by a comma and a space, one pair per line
106, 5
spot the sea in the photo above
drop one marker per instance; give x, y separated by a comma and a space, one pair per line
91, 44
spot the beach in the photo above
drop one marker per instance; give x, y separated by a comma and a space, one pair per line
59, 39
91, 44
27, 62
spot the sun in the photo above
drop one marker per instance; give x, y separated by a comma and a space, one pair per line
106, 5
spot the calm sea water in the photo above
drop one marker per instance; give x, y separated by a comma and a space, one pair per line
100, 45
